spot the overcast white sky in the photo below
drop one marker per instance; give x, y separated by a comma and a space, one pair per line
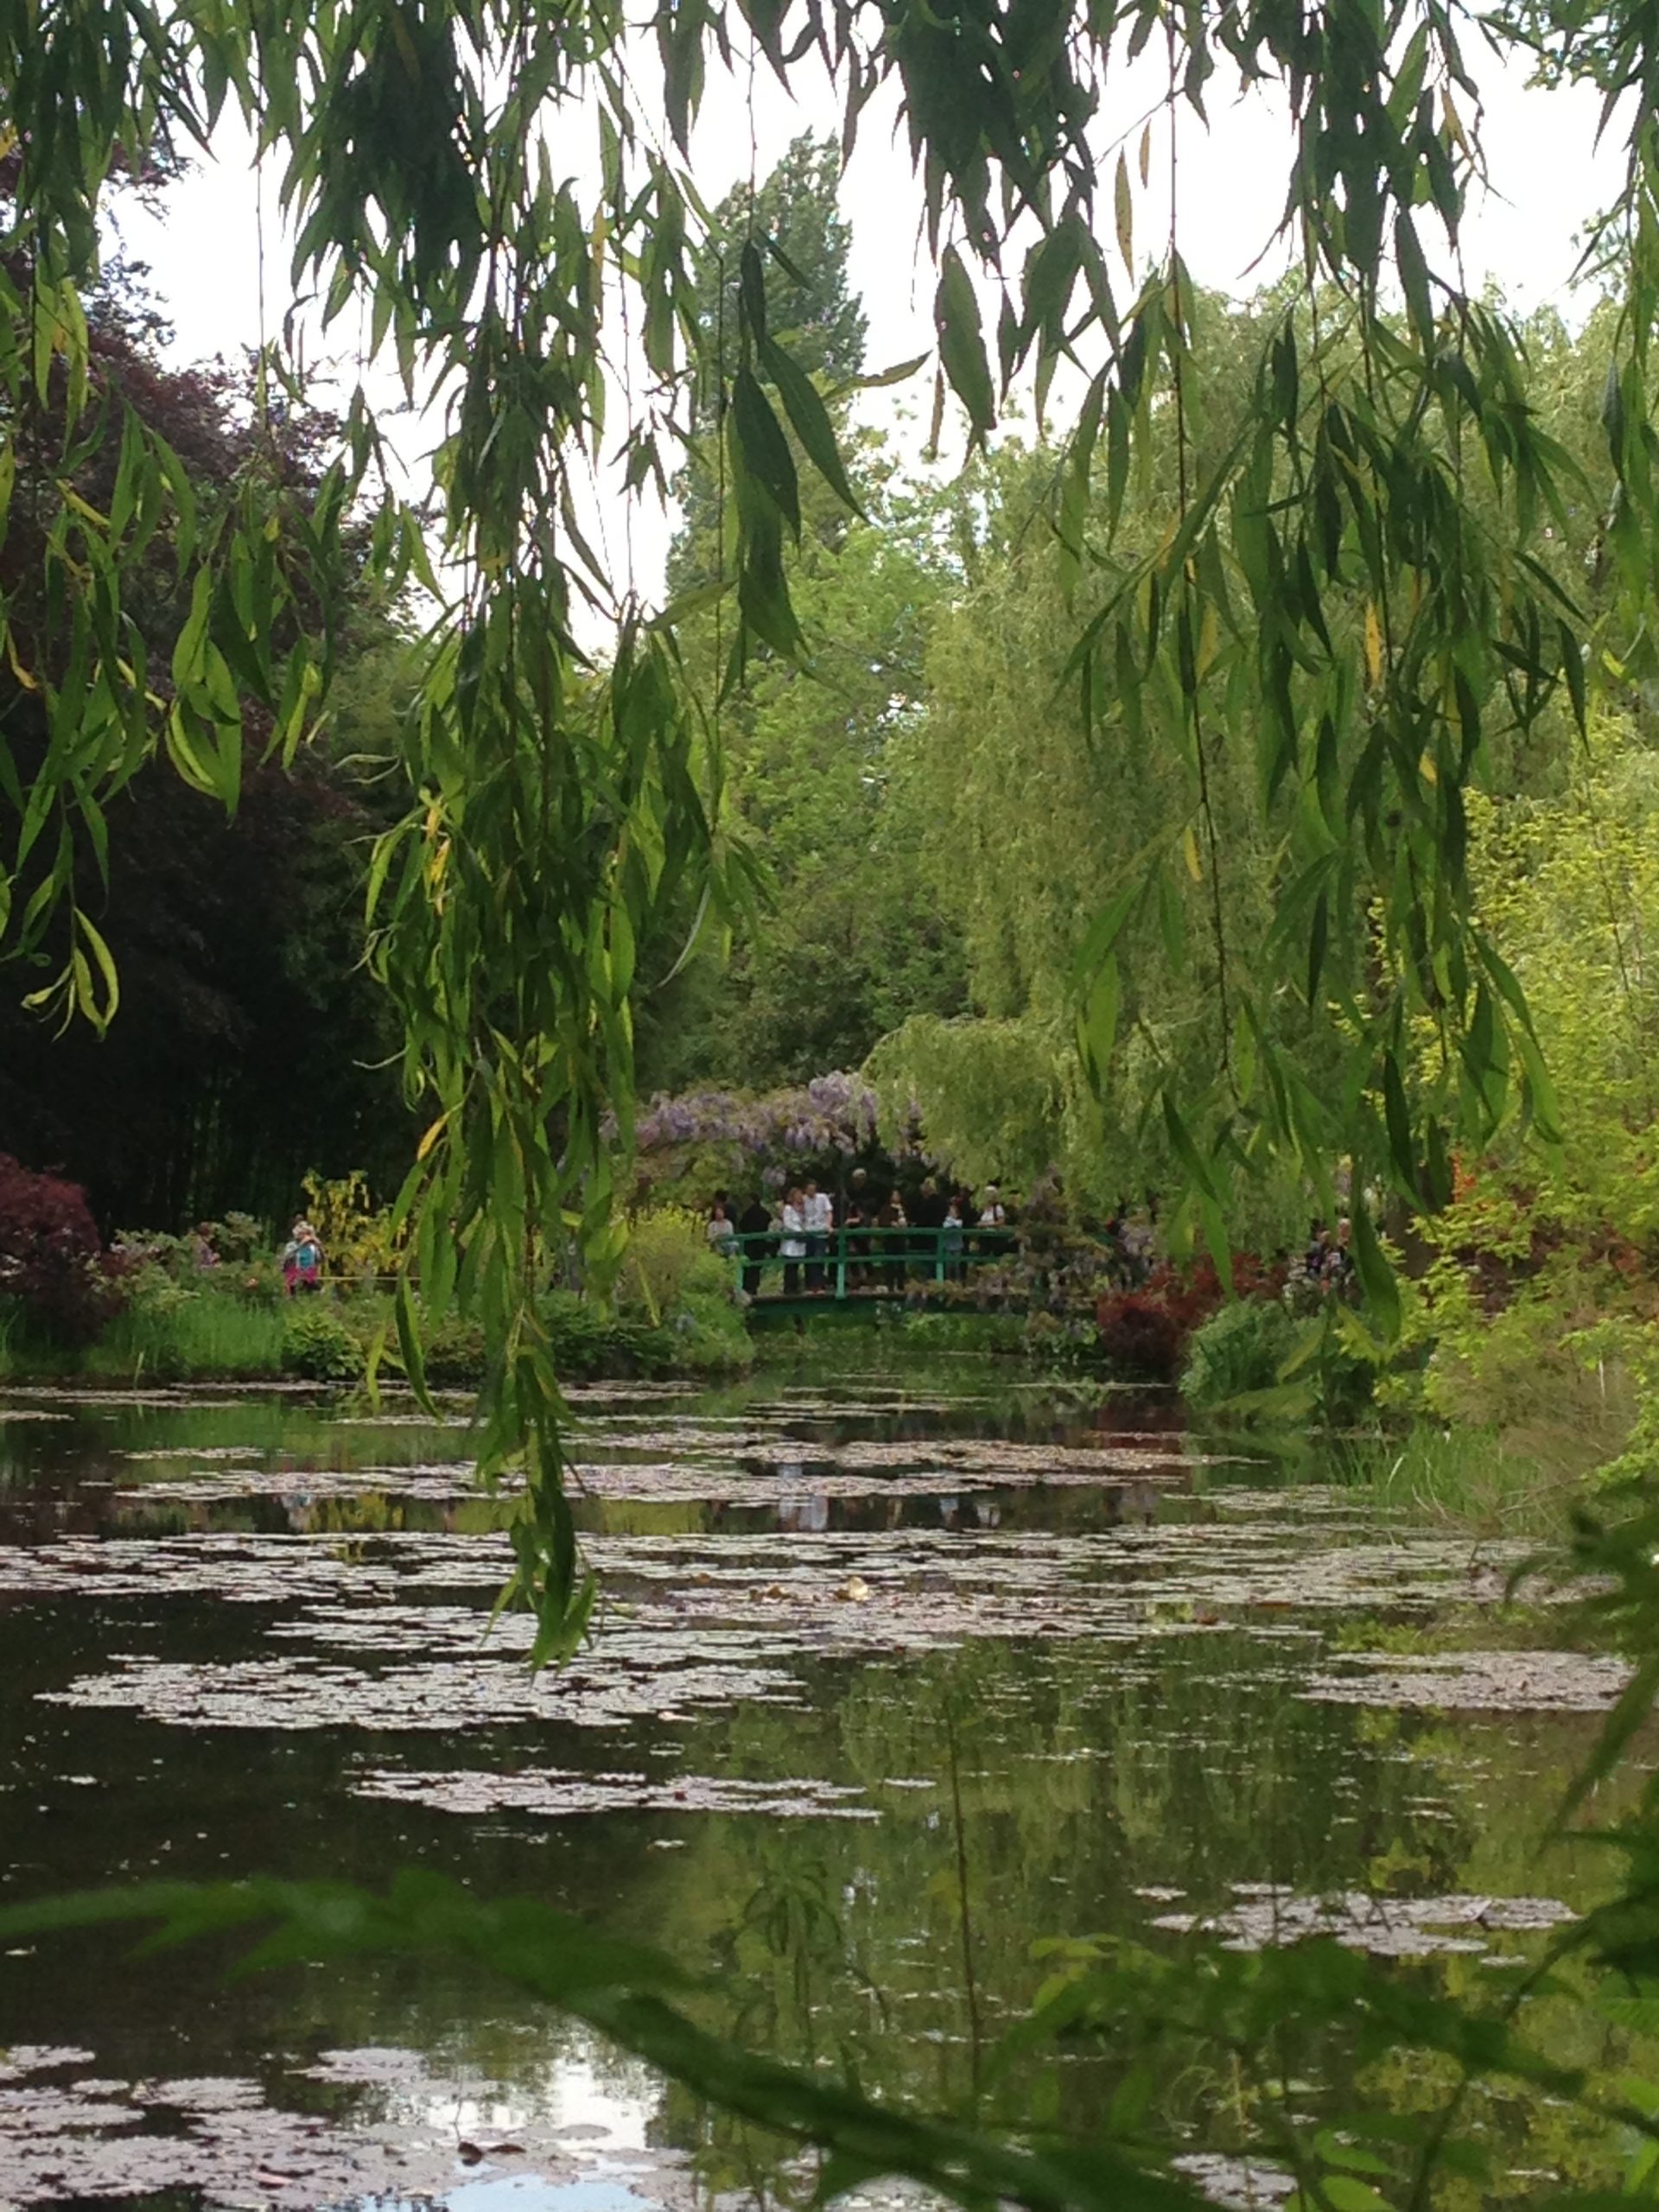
1547, 180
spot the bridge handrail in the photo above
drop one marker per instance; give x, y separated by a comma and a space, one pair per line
924, 1253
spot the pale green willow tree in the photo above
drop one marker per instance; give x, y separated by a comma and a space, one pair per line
558, 807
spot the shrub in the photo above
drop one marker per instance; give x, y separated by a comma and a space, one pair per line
257, 1282
153, 1293
1144, 1332
149, 1256
1139, 1336
216, 1254
454, 1353
1238, 1351
1055, 1339
587, 1339
1522, 1343
239, 1239
708, 1334
578, 1332
143, 1251
51, 1256
675, 1307
357, 1240
668, 1252
317, 1343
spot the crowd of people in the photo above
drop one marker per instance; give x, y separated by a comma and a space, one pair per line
866, 1227
1328, 1261
878, 1252
862, 1237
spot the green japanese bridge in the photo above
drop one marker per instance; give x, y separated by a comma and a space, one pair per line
845, 1268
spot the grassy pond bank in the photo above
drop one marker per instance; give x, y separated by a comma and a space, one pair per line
901, 1668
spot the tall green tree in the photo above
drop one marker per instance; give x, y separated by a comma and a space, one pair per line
1038, 817
841, 940
838, 943
792, 217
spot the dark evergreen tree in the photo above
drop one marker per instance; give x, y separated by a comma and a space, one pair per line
251, 1045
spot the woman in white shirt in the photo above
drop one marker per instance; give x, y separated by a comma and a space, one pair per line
994, 1218
722, 1236
791, 1248
818, 1216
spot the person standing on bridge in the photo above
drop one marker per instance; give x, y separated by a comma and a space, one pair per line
890, 1218
951, 1236
853, 1220
928, 1212
819, 1212
857, 1212
993, 1222
753, 1223
791, 1247
927, 1216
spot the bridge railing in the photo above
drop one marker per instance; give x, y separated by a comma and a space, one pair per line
863, 1262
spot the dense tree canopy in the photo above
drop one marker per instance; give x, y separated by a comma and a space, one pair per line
252, 1044
842, 941
1035, 820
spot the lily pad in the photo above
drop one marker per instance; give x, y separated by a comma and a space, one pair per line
1265, 1916
555, 1795
1475, 1681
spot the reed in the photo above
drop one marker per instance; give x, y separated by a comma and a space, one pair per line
209, 1334
1469, 1478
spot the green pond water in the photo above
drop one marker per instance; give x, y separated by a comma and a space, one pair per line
898, 1671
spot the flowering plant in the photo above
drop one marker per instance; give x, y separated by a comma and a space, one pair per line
705, 1139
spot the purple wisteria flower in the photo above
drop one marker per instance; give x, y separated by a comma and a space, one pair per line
832, 1113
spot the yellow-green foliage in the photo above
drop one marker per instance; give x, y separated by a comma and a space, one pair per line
1543, 1284
1569, 889
1542, 1351
995, 1095
1006, 1100
667, 1255
357, 1240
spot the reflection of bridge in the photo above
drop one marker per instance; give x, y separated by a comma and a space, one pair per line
863, 1266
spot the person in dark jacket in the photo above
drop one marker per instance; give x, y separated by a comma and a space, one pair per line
858, 1211
927, 1215
754, 1221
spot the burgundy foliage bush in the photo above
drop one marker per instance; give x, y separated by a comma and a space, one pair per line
50, 1255
1139, 1335
1143, 1332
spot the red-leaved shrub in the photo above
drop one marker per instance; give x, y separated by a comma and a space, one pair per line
50, 1255
1143, 1332
1139, 1335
